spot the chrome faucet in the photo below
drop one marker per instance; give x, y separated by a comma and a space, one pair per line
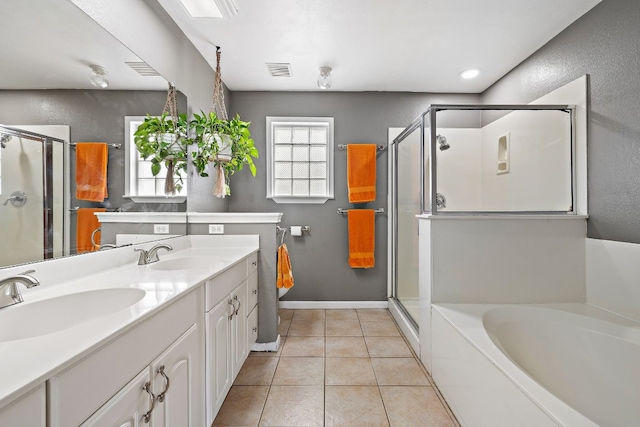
9, 292
151, 256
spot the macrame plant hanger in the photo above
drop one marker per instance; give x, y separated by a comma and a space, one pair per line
219, 189
171, 108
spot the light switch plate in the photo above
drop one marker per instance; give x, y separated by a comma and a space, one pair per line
160, 228
216, 228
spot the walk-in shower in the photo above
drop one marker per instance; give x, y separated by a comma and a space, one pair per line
508, 159
32, 189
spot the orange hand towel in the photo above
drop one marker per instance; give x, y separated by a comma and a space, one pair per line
91, 171
285, 275
362, 238
86, 223
361, 172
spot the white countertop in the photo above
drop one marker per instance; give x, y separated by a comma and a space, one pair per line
29, 362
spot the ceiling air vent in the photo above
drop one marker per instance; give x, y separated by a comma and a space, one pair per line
279, 69
143, 69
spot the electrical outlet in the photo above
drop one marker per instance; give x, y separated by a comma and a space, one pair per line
160, 228
216, 228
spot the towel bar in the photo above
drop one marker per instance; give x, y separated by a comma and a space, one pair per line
75, 209
110, 144
344, 211
343, 147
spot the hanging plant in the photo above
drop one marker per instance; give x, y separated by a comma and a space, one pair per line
226, 144
164, 140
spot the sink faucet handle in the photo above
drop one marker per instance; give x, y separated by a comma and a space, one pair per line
142, 260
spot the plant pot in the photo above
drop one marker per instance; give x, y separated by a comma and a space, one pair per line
224, 145
172, 139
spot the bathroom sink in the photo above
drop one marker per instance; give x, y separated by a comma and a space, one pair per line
28, 320
188, 263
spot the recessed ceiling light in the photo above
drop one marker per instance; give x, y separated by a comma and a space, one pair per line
469, 74
210, 9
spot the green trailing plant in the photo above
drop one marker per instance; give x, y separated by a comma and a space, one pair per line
162, 141
211, 133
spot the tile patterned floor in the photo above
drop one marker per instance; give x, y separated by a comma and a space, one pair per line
336, 368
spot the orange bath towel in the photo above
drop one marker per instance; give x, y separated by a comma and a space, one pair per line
91, 171
362, 238
361, 172
285, 275
86, 223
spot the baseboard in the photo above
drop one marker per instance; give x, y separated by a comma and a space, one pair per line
266, 346
405, 326
333, 304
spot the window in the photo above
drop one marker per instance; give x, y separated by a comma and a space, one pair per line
142, 186
300, 159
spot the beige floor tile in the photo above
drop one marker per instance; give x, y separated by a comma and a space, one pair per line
303, 327
311, 314
414, 406
347, 406
343, 328
304, 346
398, 371
345, 347
349, 371
299, 371
269, 353
294, 406
387, 347
257, 371
341, 314
373, 314
379, 328
283, 327
242, 407
285, 314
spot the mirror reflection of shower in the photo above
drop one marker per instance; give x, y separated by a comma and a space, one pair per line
442, 141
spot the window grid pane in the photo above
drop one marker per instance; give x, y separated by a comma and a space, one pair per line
282, 170
283, 187
317, 187
318, 135
283, 135
300, 135
300, 187
282, 153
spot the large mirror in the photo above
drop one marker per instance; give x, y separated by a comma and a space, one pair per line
48, 49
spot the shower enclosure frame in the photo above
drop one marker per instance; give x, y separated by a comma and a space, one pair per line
47, 186
428, 205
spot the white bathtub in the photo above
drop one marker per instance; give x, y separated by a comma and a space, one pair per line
537, 365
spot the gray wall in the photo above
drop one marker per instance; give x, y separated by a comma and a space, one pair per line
605, 44
92, 115
319, 259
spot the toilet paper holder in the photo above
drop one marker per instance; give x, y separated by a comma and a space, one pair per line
294, 229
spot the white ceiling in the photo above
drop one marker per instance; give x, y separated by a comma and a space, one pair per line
49, 44
377, 45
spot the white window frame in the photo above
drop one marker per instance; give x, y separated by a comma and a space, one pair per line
272, 122
131, 123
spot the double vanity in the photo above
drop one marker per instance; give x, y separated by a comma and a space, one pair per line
105, 341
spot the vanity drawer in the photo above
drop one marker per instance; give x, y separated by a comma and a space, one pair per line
79, 391
252, 328
222, 285
253, 291
252, 263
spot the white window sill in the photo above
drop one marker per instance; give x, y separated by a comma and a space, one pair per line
300, 200
155, 199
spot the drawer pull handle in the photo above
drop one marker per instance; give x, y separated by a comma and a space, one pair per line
147, 416
166, 384
235, 297
233, 310
255, 292
255, 329
254, 263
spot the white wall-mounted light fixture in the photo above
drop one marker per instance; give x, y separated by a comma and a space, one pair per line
210, 9
470, 74
324, 79
98, 79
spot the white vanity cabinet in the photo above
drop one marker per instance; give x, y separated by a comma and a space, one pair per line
228, 304
28, 410
114, 385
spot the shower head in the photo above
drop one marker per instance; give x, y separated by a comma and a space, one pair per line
442, 140
4, 138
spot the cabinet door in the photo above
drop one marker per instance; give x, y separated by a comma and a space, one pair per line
239, 328
177, 383
252, 328
29, 410
127, 408
218, 357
